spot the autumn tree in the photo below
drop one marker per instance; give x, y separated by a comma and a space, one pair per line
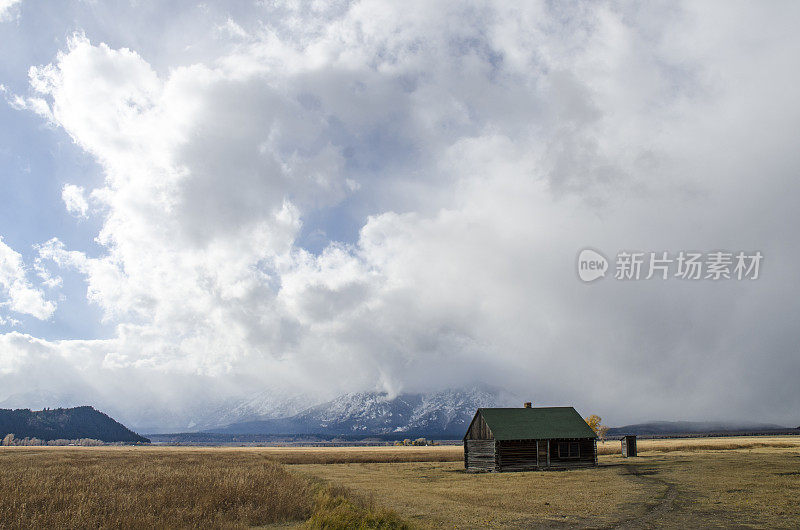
599, 429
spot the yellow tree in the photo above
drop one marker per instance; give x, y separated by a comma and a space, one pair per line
599, 429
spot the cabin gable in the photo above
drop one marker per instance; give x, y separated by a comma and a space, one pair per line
478, 429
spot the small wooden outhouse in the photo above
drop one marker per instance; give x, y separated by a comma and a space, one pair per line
628, 446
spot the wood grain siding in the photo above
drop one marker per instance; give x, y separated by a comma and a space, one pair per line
518, 455
530, 455
543, 454
587, 456
628, 446
479, 455
478, 430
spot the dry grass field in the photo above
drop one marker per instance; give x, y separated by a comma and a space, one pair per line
714, 482
349, 455
679, 483
703, 444
145, 487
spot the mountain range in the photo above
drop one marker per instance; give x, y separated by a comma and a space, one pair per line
442, 414
436, 414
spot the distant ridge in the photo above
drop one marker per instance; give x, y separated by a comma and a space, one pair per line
68, 424
666, 428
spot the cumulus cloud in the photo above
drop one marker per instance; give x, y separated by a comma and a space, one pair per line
74, 200
476, 149
18, 293
7, 8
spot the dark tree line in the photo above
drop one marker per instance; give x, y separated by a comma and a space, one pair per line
65, 424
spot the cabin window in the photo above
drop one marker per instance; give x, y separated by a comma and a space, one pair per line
569, 450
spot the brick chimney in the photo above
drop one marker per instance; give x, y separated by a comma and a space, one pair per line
527, 404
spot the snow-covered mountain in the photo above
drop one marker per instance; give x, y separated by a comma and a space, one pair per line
363, 413
266, 405
274, 412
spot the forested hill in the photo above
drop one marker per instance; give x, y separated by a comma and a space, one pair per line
68, 424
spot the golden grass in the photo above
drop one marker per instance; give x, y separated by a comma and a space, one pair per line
335, 507
757, 486
440, 494
297, 455
749, 485
678, 482
342, 455
702, 444
154, 488
675, 483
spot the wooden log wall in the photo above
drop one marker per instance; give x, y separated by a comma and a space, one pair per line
525, 455
479, 455
528, 455
519, 455
588, 454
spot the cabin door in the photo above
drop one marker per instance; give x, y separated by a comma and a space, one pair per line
542, 459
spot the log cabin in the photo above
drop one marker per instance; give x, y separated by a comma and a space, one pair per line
528, 439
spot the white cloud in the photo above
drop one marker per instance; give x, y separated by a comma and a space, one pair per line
74, 200
7, 9
478, 149
35, 104
18, 294
9, 321
232, 29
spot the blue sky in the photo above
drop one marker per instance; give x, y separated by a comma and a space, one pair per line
212, 201
37, 160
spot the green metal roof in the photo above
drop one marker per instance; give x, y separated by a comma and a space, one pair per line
536, 423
